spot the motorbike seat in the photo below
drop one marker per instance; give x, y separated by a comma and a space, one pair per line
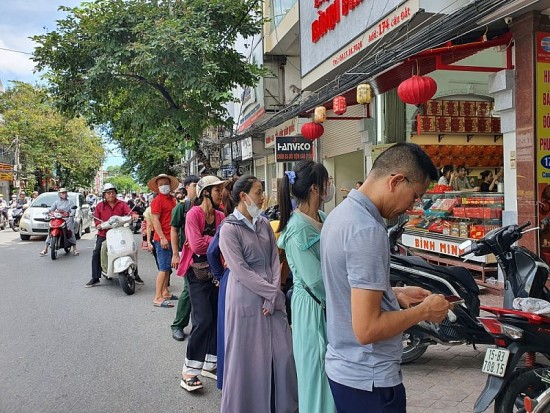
457, 274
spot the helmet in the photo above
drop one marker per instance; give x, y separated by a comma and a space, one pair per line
60, 190
108, 186
207, 181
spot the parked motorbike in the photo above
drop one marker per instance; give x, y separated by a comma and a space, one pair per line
3, 220
518, 335
14, 216
58, 231
540, 404
525, 275
121, 252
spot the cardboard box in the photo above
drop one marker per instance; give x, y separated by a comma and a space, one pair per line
426, 124
450, 107
463, 230
470, 124
484, 125
495, 125
433, 108
467, 108
483, 109
444, 124
477, 231
457, 124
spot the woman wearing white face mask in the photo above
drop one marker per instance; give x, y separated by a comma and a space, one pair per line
300, 231
258, 364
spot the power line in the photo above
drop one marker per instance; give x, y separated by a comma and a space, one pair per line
14, 51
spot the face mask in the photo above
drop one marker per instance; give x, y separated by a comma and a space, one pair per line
252, 209
164, 189
330, 194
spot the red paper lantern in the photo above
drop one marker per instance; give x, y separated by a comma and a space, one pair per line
312, 130
339, 105
417, 90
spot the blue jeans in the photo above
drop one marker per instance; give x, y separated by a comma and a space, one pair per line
164, 257
379, 400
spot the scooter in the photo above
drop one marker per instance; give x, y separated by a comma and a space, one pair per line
14, 216
3, 220
121, 252
525, 275
518, 335
58, 231
540, 404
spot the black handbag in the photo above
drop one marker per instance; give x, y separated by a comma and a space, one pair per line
202, 271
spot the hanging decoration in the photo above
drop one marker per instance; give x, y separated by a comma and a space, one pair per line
339, 105
417, 90
364, 94
312, 130
320, 114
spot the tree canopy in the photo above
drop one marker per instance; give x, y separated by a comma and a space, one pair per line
155, 73
51, 144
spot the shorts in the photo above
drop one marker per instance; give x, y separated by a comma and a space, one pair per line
164, 257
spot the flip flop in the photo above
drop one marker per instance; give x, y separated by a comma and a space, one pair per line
191, 383
75, 253
164, 304
43, 253
173, 298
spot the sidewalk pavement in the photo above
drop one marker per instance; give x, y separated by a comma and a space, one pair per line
447, 379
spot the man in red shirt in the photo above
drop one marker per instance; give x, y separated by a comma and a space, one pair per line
161, 215
104, 210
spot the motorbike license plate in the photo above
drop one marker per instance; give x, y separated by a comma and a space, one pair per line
495, 361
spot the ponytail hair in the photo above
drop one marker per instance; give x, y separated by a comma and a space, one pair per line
298, 183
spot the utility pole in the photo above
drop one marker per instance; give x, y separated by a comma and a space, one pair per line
16, 166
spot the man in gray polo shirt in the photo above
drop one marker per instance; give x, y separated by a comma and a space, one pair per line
364, 320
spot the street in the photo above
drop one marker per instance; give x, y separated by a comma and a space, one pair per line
66, 348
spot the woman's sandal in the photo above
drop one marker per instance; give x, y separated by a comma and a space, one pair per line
43, 252
75, 253
191, 383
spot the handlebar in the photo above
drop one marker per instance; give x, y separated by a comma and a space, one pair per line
527, 224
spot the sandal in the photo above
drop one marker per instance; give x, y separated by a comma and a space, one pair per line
75, 253
43, 252
191, 383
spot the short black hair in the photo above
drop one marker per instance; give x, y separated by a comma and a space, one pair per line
406, 158
191, 179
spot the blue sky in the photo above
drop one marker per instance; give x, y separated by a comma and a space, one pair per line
20, 19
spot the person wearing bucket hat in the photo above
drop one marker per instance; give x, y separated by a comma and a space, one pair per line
161, 214
163, 184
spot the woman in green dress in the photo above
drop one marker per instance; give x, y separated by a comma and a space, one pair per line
300, 232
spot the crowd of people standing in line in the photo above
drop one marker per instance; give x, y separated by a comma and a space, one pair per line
343, 350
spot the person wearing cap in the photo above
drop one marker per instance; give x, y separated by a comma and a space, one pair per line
177, 238
161, 214
63, 204
201, 223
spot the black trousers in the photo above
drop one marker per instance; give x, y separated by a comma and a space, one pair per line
204, 315
379, 400
96, 258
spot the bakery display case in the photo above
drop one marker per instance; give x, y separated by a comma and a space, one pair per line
444, 219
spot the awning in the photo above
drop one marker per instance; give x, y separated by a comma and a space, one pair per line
458, 27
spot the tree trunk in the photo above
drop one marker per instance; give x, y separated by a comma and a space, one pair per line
202, 158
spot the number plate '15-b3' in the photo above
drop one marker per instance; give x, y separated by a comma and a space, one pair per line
495, 361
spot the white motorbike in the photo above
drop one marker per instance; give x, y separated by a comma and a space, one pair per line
121, 252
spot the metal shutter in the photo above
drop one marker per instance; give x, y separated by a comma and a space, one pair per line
342, 136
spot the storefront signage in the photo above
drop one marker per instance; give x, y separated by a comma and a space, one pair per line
543, 135
293, 148
6, 172
246, 149
251, 105
333, 30
288, 128
437, 246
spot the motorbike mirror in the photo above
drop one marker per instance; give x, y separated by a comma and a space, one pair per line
74, 207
